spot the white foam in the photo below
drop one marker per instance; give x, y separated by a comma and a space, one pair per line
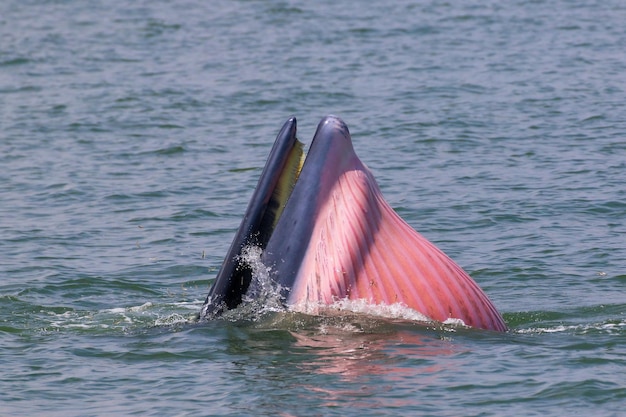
608, 328
455, 322
397, 311
171, 320
124, 318
142, 307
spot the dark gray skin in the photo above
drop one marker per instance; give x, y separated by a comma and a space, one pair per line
234, 278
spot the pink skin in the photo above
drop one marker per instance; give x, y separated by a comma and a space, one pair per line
361, 249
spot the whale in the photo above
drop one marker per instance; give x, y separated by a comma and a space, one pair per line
326, 234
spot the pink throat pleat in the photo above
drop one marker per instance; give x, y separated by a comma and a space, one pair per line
361, 249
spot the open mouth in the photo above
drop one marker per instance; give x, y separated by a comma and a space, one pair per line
327, 234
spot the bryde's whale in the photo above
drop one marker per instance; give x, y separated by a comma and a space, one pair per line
327, 234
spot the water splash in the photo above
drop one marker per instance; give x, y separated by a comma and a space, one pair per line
610, 328
119, 319
264, 294
392, 311
263, 289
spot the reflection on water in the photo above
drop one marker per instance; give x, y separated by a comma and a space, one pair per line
360, 358
331, 361
352, 353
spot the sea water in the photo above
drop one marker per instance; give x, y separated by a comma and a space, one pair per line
133, 133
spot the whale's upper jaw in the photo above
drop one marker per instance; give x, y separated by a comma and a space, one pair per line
263, 212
